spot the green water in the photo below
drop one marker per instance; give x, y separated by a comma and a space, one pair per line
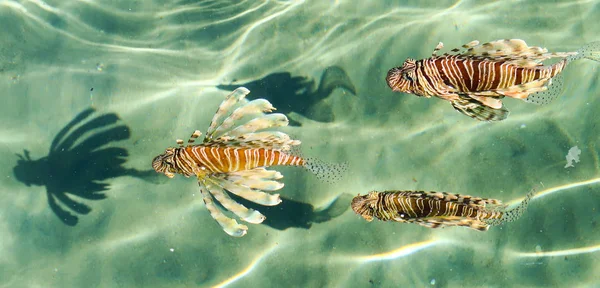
163, 67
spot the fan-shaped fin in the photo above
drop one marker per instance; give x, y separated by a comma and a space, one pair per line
233, 98
248, 215
257, 124
255, 107
250, 194
230, 226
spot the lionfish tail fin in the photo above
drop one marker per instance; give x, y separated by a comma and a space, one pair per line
589, 51
328, 172
515, 213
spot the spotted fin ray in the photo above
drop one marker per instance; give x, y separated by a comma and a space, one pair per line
589, 51
522, 91
553, 89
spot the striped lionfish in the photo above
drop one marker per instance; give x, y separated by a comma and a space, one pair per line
234, 158
437, 209
475, 80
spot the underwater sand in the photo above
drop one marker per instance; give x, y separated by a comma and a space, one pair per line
156, 64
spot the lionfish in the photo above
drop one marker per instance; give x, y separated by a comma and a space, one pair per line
476, 79
234, 157
437, 209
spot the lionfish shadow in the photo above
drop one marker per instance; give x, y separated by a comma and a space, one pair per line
298, 94
77, 165
295, 214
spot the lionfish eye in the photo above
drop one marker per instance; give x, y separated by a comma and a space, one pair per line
407, 77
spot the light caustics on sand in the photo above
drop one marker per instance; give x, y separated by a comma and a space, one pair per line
151, 227
556, 253
110, 47
401, 252
558, 189
248, 268
419, 246
233, 61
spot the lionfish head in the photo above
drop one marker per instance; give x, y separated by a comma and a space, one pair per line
402, 78
164, 163
364, 206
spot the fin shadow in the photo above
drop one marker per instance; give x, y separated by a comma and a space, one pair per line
295, 214
78, 164
298, 94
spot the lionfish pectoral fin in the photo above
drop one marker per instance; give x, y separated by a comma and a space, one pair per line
257, 178
230, 226
475, 109
522, 91
429, 223
246, 214
492, 102
224, 109
436, 222
250, 183
254, 108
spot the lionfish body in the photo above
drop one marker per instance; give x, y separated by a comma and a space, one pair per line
234, 157
475, 80
214, 159
436, 209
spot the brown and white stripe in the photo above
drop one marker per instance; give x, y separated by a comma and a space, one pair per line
419, 204
458, 73
218, 159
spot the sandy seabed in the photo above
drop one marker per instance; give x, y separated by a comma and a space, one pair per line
163, 67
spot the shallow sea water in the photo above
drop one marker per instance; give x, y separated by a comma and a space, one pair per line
164, 66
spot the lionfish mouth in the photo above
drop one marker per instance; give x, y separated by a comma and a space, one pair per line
160, 167
393, 76
157, 164
360, 205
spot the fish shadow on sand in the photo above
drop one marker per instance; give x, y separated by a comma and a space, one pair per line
78, 165
295, 214
298, 94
